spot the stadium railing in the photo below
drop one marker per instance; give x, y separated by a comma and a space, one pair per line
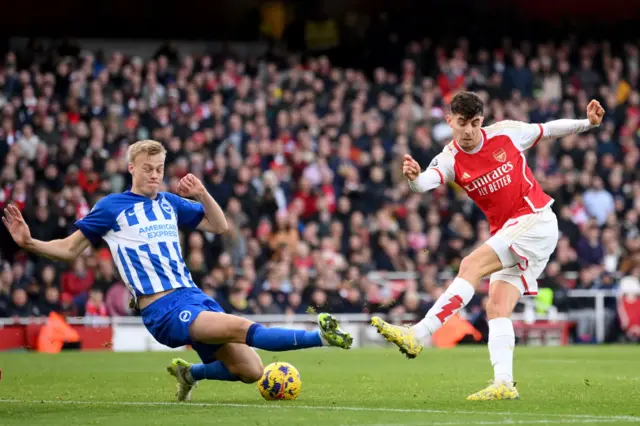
598, 295
129, 334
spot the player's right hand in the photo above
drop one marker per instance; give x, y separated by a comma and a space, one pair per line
16, 225
410, 168
595, 113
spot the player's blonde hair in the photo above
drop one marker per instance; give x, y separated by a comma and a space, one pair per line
147, 147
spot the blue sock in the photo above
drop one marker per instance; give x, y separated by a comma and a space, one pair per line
281, 339
213, 371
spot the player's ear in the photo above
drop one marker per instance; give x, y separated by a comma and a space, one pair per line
131, 168
449, 119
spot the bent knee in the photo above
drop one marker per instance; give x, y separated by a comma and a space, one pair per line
247, 373
470, 269
498, 309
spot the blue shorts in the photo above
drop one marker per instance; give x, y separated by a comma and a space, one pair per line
168, 319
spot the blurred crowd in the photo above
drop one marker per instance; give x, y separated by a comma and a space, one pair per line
305, 158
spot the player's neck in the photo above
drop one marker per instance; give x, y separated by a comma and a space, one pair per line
477, 144
136, 191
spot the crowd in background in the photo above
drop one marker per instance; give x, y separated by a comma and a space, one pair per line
305, 159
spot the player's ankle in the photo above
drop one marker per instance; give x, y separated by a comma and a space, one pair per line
323, 339
188, 378
503, 379
426, 327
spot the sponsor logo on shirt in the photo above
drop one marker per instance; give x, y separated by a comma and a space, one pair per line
492, 181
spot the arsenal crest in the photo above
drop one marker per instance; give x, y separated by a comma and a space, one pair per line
500, 155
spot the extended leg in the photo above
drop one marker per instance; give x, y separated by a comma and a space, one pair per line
482, 262
233, 362
219, 328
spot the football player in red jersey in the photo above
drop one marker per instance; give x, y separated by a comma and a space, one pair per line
489, 164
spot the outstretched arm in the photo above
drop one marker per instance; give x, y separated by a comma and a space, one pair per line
65, 250
565, 127
560, 128
525, 135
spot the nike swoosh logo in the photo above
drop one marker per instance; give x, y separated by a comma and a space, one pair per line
131, 213
514, 223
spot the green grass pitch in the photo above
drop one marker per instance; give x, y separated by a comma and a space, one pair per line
377, 386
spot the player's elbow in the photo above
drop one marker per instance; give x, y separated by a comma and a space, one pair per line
416, 187
72, 247
221, 227
67, 253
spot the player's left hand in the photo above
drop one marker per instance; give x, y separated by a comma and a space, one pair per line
595, 113
190, 187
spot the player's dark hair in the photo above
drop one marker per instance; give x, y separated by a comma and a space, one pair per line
467, 105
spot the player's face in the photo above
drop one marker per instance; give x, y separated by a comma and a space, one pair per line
466, 132
147, 173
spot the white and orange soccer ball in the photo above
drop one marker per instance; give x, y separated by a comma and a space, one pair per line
280, 380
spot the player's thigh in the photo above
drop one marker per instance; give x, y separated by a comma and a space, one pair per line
522, 276
218, 328
479, 263
242, 361
527, 240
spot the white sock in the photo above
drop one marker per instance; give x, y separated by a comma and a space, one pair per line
502, 341
452, 300
324, 341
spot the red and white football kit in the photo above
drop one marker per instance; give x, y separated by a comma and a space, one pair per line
497, 178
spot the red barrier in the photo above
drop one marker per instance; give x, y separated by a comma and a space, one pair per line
25, 337
543, 329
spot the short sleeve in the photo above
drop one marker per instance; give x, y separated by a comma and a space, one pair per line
523, 135
443, 164
190, 213
98, 222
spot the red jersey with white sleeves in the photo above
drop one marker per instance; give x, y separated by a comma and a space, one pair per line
496, 175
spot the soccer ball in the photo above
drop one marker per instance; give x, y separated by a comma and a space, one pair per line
280, 380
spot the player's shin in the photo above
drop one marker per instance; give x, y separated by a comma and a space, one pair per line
501, 345
212, 371
451, 301
281, 339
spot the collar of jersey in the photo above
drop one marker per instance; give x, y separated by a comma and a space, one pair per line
142, 196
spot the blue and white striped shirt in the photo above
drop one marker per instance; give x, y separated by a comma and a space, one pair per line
142, 235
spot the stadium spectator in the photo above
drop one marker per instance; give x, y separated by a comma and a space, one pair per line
95, 304
305, 158
629, 307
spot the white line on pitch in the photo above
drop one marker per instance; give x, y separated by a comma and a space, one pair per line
318, 407
503, 422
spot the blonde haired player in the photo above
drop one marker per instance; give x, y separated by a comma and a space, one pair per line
141, 228
489, 164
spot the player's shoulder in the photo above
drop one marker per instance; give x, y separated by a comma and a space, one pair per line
171, 197
511, 128
450, 149
115, 203
445, 160
175, 199
503, 127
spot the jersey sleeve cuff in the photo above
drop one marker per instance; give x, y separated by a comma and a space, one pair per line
441, 175
93, 237
539, 136
197, 218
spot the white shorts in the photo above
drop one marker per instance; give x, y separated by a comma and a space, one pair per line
524, 245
